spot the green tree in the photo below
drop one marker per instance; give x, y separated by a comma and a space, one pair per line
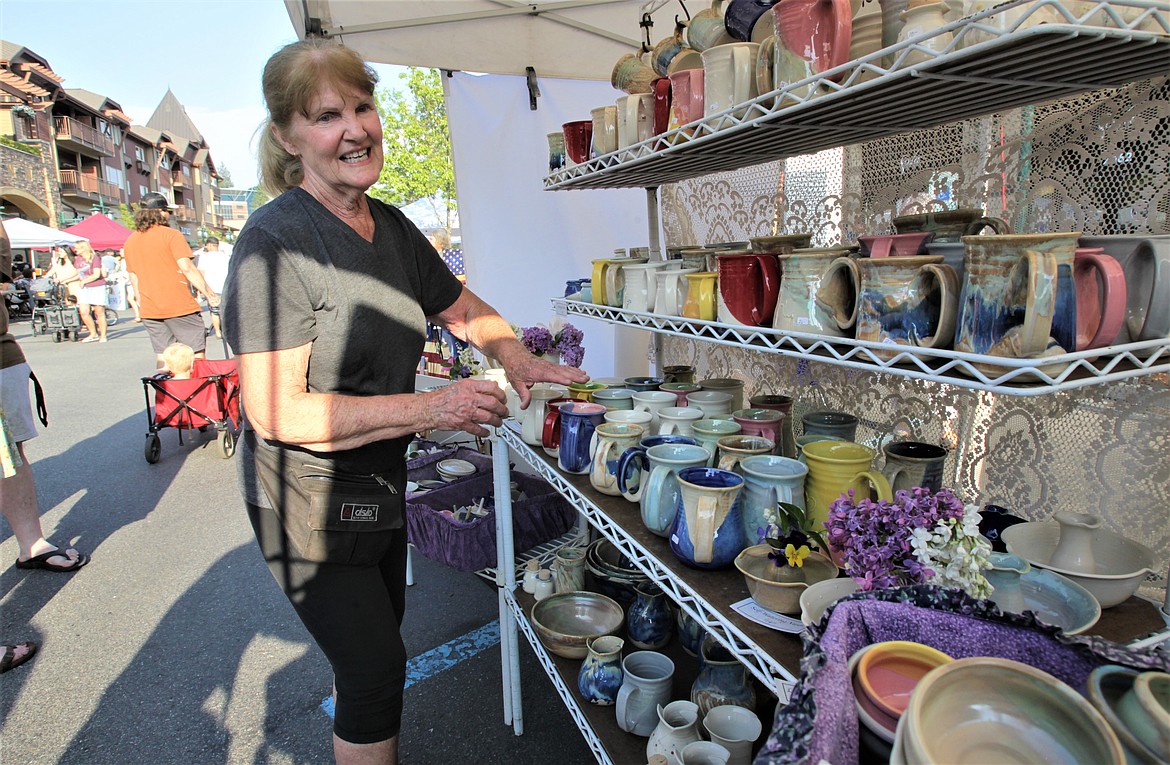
225, 176
417, 146
126, 215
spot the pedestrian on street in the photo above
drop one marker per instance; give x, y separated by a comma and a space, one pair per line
212, 260
327, 301
18, 489
162, 274
92, 298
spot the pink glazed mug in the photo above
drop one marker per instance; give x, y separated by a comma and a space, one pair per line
686, 93
1101, 298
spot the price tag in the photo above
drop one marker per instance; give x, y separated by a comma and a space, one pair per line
561, 308
748, 608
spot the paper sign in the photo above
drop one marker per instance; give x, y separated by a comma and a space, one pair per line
750, 609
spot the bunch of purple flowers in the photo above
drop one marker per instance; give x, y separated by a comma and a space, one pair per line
875, 538
566, 343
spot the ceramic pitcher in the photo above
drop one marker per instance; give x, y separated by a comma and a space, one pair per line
769, 479
657, 492
1018, 299
749, 284
907, 301
650, 619
678, 725
612, 440
701, 302
735, 729
600, 676
708, 523
835, 467
808, 301
729, 77
1003, 574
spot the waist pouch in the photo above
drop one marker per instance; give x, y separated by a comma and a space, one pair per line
330, 516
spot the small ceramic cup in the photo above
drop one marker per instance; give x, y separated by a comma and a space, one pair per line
678, 420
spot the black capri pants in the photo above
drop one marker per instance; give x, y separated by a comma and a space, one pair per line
354, 613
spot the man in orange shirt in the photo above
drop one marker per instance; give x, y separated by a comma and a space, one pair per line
162, 274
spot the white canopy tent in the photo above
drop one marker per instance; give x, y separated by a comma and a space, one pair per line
520, 242
24, 234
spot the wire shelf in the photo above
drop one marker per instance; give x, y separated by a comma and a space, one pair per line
995, 374
995, 59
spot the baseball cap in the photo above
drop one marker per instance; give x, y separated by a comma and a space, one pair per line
155, 201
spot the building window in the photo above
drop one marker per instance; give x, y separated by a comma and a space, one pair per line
139, 154
142, 191
114, 176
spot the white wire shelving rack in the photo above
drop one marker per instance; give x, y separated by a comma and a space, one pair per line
997, 59
995, 374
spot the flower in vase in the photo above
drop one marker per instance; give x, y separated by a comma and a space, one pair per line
789, 533
564, 342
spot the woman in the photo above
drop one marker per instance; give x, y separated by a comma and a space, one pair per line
327, 300
92, 298
63, 272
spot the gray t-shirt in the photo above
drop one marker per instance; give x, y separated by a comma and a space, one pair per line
298, 274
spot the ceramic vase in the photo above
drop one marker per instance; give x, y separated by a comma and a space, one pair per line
690, 632
721, 680
569, 569
600, 677
678, 725
531, 569
650, 619
1003, 574
543, 587
708, 523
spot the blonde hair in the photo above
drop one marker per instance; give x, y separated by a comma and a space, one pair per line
292, 78
84, 249
440, 238
179, 360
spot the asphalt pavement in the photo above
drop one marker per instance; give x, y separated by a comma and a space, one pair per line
174, 645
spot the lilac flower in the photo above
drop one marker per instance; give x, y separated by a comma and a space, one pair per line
537, 340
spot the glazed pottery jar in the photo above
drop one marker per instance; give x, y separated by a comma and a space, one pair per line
729, 77
835, 467
722, 680
657, 493
569, 569
578, 140
769, 479
1074, 550
646, 684
811, 299
749, 284
910, 301
654, 401
708, 522
611, 441
650, 619
678, 725
600, 676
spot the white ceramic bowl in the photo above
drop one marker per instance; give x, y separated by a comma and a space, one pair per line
1108, 687
984, 709
1122, 564
457, 468
818, 597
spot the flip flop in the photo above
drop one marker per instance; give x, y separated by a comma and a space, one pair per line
11, 661
91, 339
42, 561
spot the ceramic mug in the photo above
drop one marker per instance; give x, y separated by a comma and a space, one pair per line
713, 403
895, 245
680, 390
653, 401
632, 74
781, 244
640, 285
708, 432
614, 398
707, 29
556, 151
666, 50
584, 391
835, 467
701, 302
634, 462
662, 100
646, 685
635, 119
949, 225
731, 385
840, 424
816, 296
912, 463
765, 423
906, 301
1018, 298
740, 17
769, 479
729, 77
610, 441
604, 120
1145, 259
734, 728
782, 404
688, 97
657, 489
810, 37
554, 411
601, 267
732, 450
578, 140
708, 522
640, 384
532, 418
1101, 297
678, 373
671, 293
570, 429
629, 416
678, 420
749, 284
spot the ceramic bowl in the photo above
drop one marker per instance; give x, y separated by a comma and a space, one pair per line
1146, 710
882, 731
453, 470
768, 583
997, 710
1107, 686
567, 621
609, 576
1058, 600
889, 673
818, 597
1122, 564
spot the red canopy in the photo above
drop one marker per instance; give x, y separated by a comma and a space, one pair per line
102, 233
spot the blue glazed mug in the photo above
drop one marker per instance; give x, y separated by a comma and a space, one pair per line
573, 429
657, 493
633, 462
708, 522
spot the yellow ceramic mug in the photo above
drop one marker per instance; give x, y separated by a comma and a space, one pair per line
584, 391
834, 467
700, 302
600, 267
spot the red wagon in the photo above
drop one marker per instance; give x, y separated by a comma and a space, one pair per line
210, 398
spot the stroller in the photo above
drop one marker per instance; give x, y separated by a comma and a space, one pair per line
210, 398
53, 311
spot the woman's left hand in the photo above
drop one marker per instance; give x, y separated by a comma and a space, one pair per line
528, 370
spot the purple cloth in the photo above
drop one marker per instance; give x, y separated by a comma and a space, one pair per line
820, 721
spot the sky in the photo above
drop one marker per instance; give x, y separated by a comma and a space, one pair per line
210, 53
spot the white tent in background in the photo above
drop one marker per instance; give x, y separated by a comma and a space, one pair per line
24, 234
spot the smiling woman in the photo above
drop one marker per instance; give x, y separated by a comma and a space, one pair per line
328, 296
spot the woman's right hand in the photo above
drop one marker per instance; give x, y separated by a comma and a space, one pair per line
468, 405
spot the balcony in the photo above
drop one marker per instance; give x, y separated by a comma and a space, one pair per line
185, 214
82, 138
88, 187
178, 181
